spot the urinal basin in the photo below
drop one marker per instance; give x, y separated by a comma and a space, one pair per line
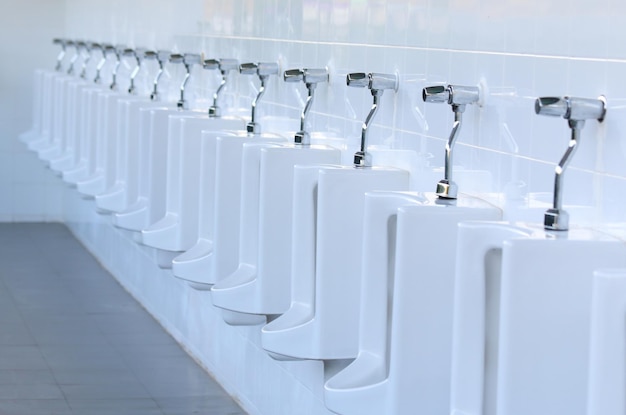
322, 322
136, 216
88, 132
34, 132
607, 354
262, 282
177, 230
125, 190
43, 139
70, 116
52, 148
407, 292
521, 327
202, 268
70, 151
117, 145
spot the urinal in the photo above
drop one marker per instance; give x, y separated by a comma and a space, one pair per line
196, 265
322, 321
261, 283
52, 147
41, 95
177, 228
607, 350
34, 132
523, 298
407, 287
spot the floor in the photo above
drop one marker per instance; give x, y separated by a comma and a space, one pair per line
73, 341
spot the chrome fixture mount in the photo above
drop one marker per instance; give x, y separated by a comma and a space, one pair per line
224, 66
377, 83
575, 111
458, 97
117, 52
138, 54
61, 55
85, 48
161, 56
187, 59
74, 45
264, 70
103, 59
310, 77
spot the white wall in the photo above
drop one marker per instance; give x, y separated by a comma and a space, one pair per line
27, 191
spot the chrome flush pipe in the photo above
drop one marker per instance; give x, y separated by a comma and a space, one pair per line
61, 55
264, 70
575, 111
458, 97
187, 59
224, 66
377, 83
310, 77
161, 57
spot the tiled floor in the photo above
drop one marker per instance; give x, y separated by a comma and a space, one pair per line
72, 341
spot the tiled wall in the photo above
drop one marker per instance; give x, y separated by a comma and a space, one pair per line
517, 50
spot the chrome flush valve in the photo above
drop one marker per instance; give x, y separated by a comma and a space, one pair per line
161, 56
117, 52
264, 70
310, 77
187, 59
458, 97
86, 47
61, 55
377, 83
224, 66
72, 44
138, 54
97, 46
575, 111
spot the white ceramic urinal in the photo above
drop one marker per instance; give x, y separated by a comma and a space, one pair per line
43, 141
262, 282
34, 133
88, 131
105, 147
177, 229
607, 354
322, 321
52, 148
406, 309
70, 145
522, 329
523, 297
125, 187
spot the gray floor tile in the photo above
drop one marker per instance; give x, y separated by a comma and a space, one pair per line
73, 341
113, 391
198, 405
117, 407
34, 407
